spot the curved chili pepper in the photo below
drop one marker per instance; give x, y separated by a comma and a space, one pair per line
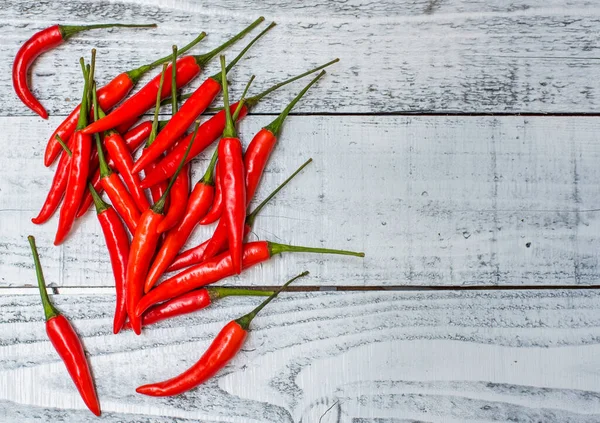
143, 247
122, 201
108, 96
181, 188
220, 267
196, 207
39, 43
190, 110
216, 208
188, 68
225, 346
193, 301
78, 168
65, 341
210, 131
117, 244
219, 241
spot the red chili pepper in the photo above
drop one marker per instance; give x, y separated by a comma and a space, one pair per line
225, 346
188, 68
193, 301
196, 207
190, 110
122, 201
117, 244
78, 168
219, 239
65, 341
221, 267
108, 96
143, 247
216, 208
39, 43
210, 131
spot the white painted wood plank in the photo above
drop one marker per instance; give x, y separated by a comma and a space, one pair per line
397, 56
431, 200
375, 357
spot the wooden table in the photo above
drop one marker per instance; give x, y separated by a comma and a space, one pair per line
456, 143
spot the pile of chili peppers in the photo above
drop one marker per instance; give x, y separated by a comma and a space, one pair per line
96, 147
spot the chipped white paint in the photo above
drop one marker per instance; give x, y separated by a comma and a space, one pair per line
437, 357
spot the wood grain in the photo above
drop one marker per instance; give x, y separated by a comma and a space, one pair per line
431, 200
423, 56
374, 357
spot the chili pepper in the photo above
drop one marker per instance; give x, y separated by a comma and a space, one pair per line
65, 341
231, 164
190, 110
122, 201
219, 239
142, 250
81, 146
210, 131
181, 188
108, 96
220, 267
225, 346
39, 43
216, 207
188, 68
133, 140
117, 243
193, 301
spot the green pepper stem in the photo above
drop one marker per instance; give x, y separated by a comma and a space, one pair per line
136, 74
68, 31
203, 59
174, 82
209, 176
49, 310
275, 248
245, 320
219, 77
100, 204
154, 130
229, 131
252, 101
85, 105
63, 145
252, 216
275, 126
105, 170
159, 206
218, 292
242, 101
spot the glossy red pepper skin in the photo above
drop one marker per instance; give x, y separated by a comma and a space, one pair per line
210, 271
133, 139
234, 196
108, 96
189, 111
197, 206
178, 198
156, 191
143, 245
57, 189
195, 255
123, 162
225, 346
144, 99
76, 184
209, 132
121, 200
217, 206
117, 244
68, 346
255, 159
40, 42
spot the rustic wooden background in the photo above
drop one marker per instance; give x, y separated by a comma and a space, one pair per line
455, 143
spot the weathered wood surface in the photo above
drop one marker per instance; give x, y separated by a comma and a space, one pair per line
397, 56
375, 357
431, 200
